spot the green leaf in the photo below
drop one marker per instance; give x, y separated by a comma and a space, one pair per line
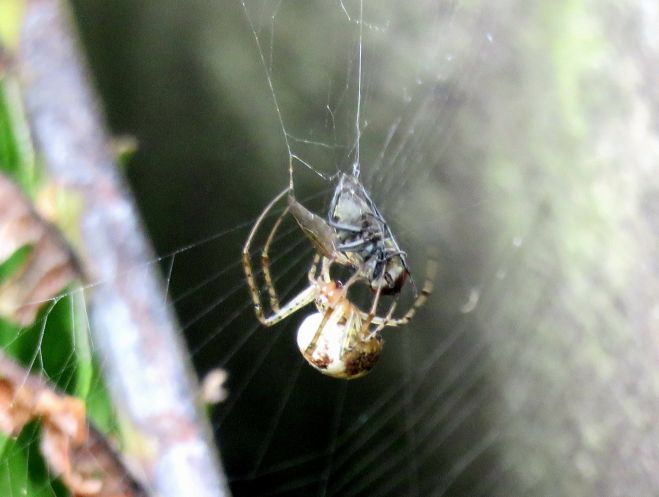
14, 262
23, 470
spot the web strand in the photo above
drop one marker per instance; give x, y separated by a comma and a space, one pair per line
383, 449
268, 77
356, 165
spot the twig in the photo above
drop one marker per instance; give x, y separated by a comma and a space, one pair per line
142, 351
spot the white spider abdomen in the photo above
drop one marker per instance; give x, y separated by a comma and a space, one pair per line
333, 354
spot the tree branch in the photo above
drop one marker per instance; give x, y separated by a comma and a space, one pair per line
137, 335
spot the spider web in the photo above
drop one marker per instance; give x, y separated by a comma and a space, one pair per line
402, 90
349, 99
374, 107
386, 434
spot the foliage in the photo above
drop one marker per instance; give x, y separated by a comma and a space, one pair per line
56, 345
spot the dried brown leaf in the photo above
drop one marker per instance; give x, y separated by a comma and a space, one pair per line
48, 268
73, 450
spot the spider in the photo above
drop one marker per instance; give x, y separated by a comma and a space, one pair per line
340, 339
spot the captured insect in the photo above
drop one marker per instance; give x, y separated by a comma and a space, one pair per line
339, 339
365, 238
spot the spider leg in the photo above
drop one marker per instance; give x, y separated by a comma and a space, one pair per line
325, 270
374, 307
303, 298
331, 308
306, 296
314, 341
265, 263
260, 219
418, 302
349, 330
366, 323
247, 265
313, 270
382, 322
